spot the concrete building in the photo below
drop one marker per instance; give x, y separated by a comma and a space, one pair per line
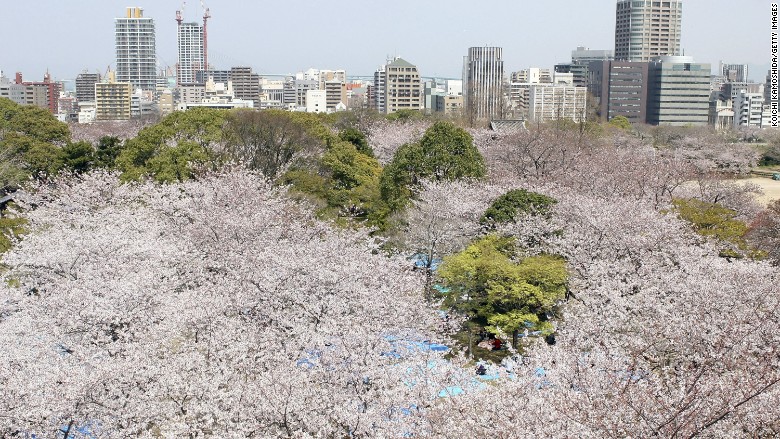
191, 55
189, 94
579, 73
271, 93
141, 105
645, 29
113, 100
721, 113
42, 94
533, 75
218, 96
136, 50
403, 89
748, 109
584, 56
87, 112
396, 87
377, 91
295, 92
620, 89
85, 86
246, 83
335, 93
450, 105
549, 102
483, 82
316, 101
678, 91
734, 72
165, 103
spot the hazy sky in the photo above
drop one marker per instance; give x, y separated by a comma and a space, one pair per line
284, 37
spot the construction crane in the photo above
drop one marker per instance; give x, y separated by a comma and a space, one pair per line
206, 16
180, 14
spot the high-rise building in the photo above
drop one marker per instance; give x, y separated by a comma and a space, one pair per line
377, 91
246, 84
397, 86
678, 91
136, 53
403, 89
748, 109
190, 38
556, 102
85, 86
113, 100
620, 88
647, 28
483, 82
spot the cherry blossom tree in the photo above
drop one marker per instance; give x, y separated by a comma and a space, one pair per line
210, 308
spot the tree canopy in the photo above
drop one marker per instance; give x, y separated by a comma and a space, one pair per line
445, 152
495, 287
515, 203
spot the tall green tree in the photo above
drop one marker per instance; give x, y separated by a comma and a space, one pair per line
497, 289
31, 142
445, 152
515, 203
171, 149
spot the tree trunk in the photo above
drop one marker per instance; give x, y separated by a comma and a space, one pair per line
428, 284
514, 338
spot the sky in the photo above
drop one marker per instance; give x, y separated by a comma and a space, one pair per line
67, 37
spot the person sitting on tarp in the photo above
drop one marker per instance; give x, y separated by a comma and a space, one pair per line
496, 344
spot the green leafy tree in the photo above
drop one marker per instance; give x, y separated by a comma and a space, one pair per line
346, 182
718, 222
445, 152
621, 122
30, 143
357, 138
187, 139
107, 151
79, 157
11, 229
488, 283
404, 115
512, 205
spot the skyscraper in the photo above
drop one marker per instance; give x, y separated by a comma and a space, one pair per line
647, 28
136, 53
190, 38
483, 81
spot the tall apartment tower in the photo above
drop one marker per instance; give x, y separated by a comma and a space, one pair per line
403, 88
136, 53
191, 59
483, 83
647, 28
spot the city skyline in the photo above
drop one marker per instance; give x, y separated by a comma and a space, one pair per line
67, 40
